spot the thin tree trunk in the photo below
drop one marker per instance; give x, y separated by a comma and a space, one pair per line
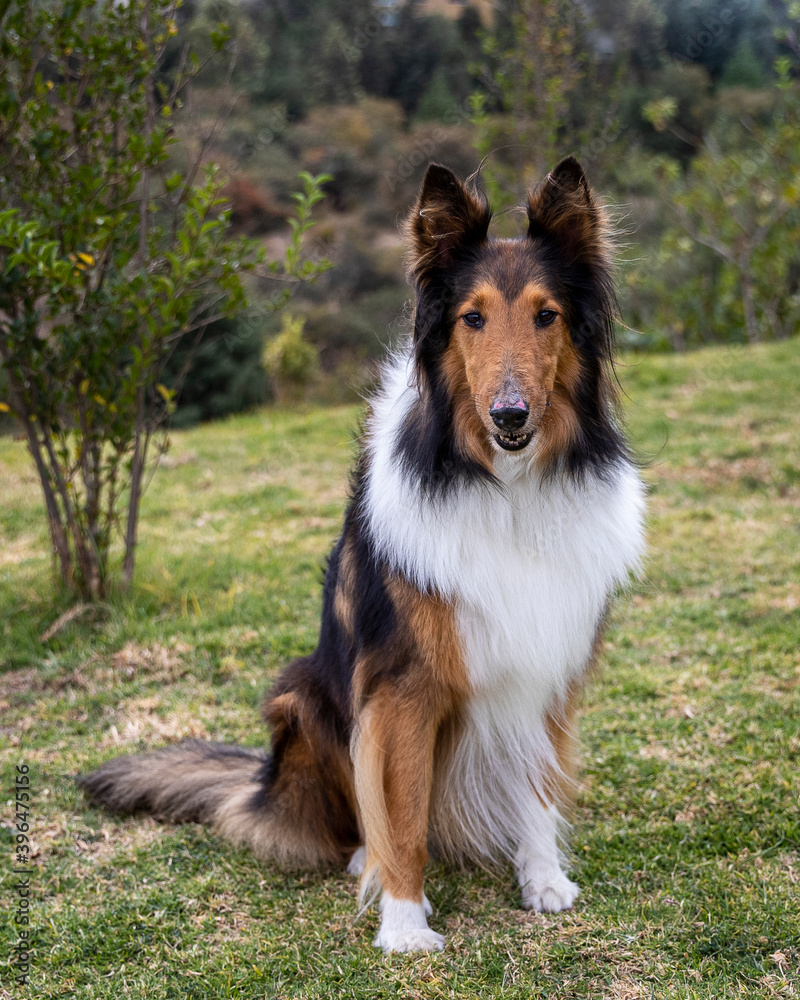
91, 584
140, 444
778, 329
677, 338
137, 471
131, 527
93, 486
91, 454
58, 535
748, 301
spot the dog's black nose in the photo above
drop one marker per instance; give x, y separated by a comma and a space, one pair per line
509, 414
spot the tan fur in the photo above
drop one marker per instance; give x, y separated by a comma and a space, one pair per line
470, 429
560, 426
394, 742
561, 725
432, 627
298, 801
393, 757
510, 348
283, 711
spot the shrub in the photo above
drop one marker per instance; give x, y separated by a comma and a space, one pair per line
107, 260
290, 361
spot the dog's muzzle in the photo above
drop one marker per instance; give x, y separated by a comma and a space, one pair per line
510, 414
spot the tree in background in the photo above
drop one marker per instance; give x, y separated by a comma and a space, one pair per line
523, 115
198, 26
220, 374
739, 199
410, 55
107, 260
312, 55
708, 33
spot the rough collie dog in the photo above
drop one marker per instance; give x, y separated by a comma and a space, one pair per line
494, 511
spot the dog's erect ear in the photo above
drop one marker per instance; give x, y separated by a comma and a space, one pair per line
446, 221
562, 207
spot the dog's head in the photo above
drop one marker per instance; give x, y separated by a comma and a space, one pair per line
517, 333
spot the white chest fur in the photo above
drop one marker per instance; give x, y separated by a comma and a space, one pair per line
529, 568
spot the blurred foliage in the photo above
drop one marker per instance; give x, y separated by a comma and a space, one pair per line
438, 103
248, 50
404, 58
290, 361
744, 68
219, 372
661, 100
727, 267
529, 80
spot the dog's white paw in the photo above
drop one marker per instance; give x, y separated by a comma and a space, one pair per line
549, 893
420, 939
357, 862
404, 926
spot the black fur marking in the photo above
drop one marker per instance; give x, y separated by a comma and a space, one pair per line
509, 272
427, 448
426, 445
375, 615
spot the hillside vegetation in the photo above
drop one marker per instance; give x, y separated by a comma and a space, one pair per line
686, 117
687, 837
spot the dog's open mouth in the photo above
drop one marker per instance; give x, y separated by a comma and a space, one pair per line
513, 442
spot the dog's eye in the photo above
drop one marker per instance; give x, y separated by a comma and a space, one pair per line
473, 319
545, 317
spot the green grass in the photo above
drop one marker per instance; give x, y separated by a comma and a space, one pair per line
687, 837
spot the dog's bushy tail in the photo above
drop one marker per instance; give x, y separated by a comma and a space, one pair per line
225, 786
189, 782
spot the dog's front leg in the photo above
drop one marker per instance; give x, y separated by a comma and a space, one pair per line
544, 885
393, 758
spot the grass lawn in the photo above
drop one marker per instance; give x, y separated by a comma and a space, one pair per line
687, 838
